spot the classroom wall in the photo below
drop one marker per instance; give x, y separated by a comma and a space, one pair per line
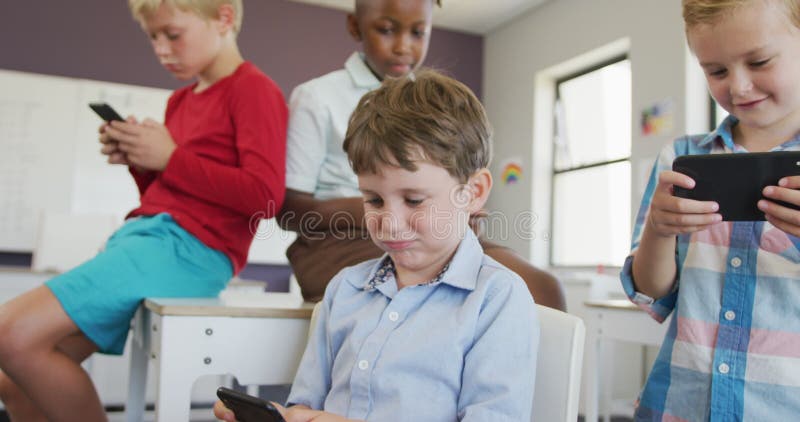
552, 35
292, 42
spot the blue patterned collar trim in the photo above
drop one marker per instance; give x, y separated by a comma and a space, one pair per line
386, 272
724, 133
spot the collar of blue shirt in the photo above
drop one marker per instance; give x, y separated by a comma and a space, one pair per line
461, 272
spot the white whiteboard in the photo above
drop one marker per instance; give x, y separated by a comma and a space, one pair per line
50, 159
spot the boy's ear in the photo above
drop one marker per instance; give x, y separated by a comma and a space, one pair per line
226, 17
352, 27
479, 185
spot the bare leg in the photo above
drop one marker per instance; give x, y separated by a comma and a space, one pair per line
41, 353
18, 405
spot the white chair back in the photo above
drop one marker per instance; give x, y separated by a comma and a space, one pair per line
558, 368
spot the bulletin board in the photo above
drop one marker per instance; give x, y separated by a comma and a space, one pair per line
49, 152
50, 156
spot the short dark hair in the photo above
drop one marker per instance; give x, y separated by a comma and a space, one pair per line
425, 116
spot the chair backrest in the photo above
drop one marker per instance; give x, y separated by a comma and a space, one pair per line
65, 240
558, 366
313, 321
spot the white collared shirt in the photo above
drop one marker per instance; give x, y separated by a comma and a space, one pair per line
319, 111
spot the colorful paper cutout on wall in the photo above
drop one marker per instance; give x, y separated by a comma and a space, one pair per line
658, 118
511, 171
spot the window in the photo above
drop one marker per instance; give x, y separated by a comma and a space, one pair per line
718, 114
591, 208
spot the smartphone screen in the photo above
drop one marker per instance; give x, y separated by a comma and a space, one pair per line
105, 111
248, 408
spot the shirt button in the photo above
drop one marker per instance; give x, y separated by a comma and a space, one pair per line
723, 368
736, 262
363, 365
730, 315
393, 316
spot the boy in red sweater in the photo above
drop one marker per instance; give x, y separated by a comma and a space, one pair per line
218, 160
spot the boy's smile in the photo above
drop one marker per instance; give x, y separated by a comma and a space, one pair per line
411, 215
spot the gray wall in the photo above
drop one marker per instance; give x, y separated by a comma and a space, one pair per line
291, 42
554, 40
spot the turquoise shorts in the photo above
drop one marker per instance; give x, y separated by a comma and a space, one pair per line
147, 257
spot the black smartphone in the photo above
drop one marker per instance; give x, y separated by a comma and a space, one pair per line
736, 181
248, 408
106, 112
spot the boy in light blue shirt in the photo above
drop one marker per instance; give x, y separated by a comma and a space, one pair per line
435, 330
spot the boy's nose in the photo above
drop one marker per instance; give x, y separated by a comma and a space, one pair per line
402, 44
391, 223
160, 47
740, 83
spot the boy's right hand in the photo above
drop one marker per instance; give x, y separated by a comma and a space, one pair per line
301, 413
670, 215
296, 413
223, 413
110, 146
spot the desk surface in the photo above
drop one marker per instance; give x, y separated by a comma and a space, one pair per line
264, 305
622, 304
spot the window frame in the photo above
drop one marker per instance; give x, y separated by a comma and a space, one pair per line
553, 173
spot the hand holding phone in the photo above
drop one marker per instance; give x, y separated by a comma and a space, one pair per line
248, 408
105, 111
736, 181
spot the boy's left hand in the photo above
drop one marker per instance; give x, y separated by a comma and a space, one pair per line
147, 145
784, 218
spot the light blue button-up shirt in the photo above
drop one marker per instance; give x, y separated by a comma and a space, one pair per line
459, 349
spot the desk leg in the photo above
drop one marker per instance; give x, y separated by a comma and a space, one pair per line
605, 351
137, 378
592, 370
173, 403
174, 376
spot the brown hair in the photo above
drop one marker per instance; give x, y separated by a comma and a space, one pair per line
422, 117
206, 9
703, 12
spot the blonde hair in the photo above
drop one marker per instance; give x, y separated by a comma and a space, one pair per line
423, 117
207, 9
704, 12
